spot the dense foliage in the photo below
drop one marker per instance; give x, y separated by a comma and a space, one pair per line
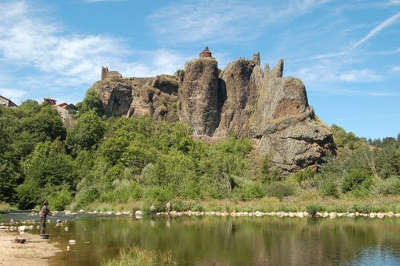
123, 159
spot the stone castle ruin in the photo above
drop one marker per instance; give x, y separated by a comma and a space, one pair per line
105, 73
244, 98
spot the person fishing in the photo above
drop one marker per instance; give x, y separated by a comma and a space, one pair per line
44, 211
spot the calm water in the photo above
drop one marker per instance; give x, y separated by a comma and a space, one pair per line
233, 241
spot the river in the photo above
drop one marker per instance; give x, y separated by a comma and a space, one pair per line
230, 241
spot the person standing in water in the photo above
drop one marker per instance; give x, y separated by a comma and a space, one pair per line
44, 211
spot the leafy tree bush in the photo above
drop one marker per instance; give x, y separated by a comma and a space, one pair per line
87, 133
60, 199
252, 191
356, 179
361, 208
330, 188
158, 196
280, 190
268, 172
306, 178
45, 169
390, 186
312, 210
91, 102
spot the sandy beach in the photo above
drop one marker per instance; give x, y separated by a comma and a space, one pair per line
34, 252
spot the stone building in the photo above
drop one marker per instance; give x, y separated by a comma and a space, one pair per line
64, 110
6, 102
50, 101
206, 53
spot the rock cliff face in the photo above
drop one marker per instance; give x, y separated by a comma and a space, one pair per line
155, 97
244, 99
198, 96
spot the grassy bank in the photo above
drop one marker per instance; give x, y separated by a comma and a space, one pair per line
267, 204
5, 207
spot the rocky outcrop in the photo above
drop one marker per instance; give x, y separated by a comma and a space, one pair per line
243, 99
154, 97
199, 96
255, 103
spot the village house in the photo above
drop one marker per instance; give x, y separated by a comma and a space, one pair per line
6, 102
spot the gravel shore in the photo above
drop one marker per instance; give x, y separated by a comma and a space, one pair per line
34, 252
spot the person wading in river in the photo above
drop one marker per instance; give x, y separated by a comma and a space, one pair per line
43, 215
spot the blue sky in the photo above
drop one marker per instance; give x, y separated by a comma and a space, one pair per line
346, 52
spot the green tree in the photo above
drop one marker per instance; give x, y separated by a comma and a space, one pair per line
91, 102
46, 170
87, 133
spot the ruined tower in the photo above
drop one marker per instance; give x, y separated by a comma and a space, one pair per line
256, 58
104, 72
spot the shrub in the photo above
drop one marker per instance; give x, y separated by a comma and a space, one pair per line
313, 209
390, 186
60, 199
304, 175
329, 188
269, 173
252, 191
84, 197
361, 208
356, 179
178, 205
280, 190
197, 208
28, 196
158, 196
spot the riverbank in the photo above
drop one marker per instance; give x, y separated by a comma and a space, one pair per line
309, 202
35, 252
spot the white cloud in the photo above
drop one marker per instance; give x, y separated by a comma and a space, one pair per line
377, 29
55, 60
12, 94
26, 39
363, 75
330, 73
214, 21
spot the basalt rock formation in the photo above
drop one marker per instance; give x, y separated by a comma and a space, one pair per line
243, 99
156, 97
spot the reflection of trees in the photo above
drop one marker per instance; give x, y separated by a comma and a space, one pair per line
239, 241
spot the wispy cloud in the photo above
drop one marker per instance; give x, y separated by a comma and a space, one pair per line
393, 3
377, 29
216, 21
28, 40
14, 95
56, 60
396, 69
328, 73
